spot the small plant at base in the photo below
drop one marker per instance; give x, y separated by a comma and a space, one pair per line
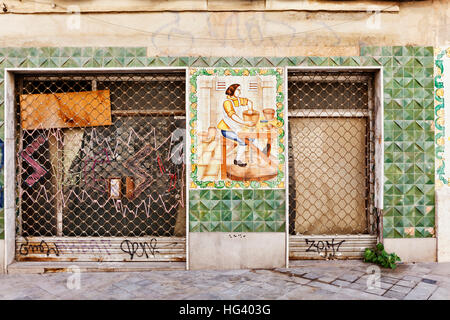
381, 257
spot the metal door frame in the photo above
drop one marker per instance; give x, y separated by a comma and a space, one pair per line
378, 170
10, 144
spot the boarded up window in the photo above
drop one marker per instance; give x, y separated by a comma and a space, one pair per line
330, 153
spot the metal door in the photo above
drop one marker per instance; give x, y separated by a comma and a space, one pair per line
100, 167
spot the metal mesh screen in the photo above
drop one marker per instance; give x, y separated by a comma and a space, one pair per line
101, 154
330, 153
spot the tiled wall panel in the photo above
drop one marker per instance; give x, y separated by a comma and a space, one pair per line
237, 210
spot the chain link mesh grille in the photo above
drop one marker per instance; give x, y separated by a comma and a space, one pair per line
330, 153
79, 175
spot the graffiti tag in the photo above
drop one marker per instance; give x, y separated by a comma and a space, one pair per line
139, 249
26, 154
43, 248
325, 248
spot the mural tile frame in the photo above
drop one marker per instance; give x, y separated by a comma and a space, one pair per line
279, 182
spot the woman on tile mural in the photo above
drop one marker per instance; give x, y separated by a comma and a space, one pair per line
233, 120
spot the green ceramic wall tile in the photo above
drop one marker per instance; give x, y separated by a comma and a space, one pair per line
215, 216
269, 226
258, 226
225, 226
194, 226
428, 72
279, 194
388, 232
215, 194
386, 51
236, 194
225, 215
205, 194
399, 232
236, 226
215, 226
204, 227
224, 194
246, 215
247, 194
247, 226
235, 215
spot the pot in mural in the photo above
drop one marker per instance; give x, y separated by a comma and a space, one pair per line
251, 116
269, 114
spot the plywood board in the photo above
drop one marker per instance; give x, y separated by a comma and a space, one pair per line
65, 110
330, 173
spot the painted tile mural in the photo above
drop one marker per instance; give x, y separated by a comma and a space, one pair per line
410, 152
237, 128
442, 94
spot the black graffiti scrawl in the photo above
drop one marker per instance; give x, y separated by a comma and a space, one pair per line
139, 249
326, 248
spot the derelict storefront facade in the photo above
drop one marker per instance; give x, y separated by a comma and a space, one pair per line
111, 172
265, 131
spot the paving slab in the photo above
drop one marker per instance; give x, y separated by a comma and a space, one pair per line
358, 286
299, 280
389, 279
412, 278
311, 276
374, 290
341, 283
407, 283
440, 294
394, 295
422, 291
385, 285
350, 277
327, 279
401, 289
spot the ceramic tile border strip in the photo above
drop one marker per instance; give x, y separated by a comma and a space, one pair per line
440, 132
398, 62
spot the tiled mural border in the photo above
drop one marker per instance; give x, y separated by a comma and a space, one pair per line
277, 182
440, 116
408, 102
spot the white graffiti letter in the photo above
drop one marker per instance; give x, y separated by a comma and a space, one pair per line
74, 280
74, 20
374, 20
177, 152
373, 280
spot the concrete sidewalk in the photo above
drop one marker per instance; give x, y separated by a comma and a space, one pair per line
303, 280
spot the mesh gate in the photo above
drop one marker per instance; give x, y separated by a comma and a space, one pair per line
101, 156
330, 153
